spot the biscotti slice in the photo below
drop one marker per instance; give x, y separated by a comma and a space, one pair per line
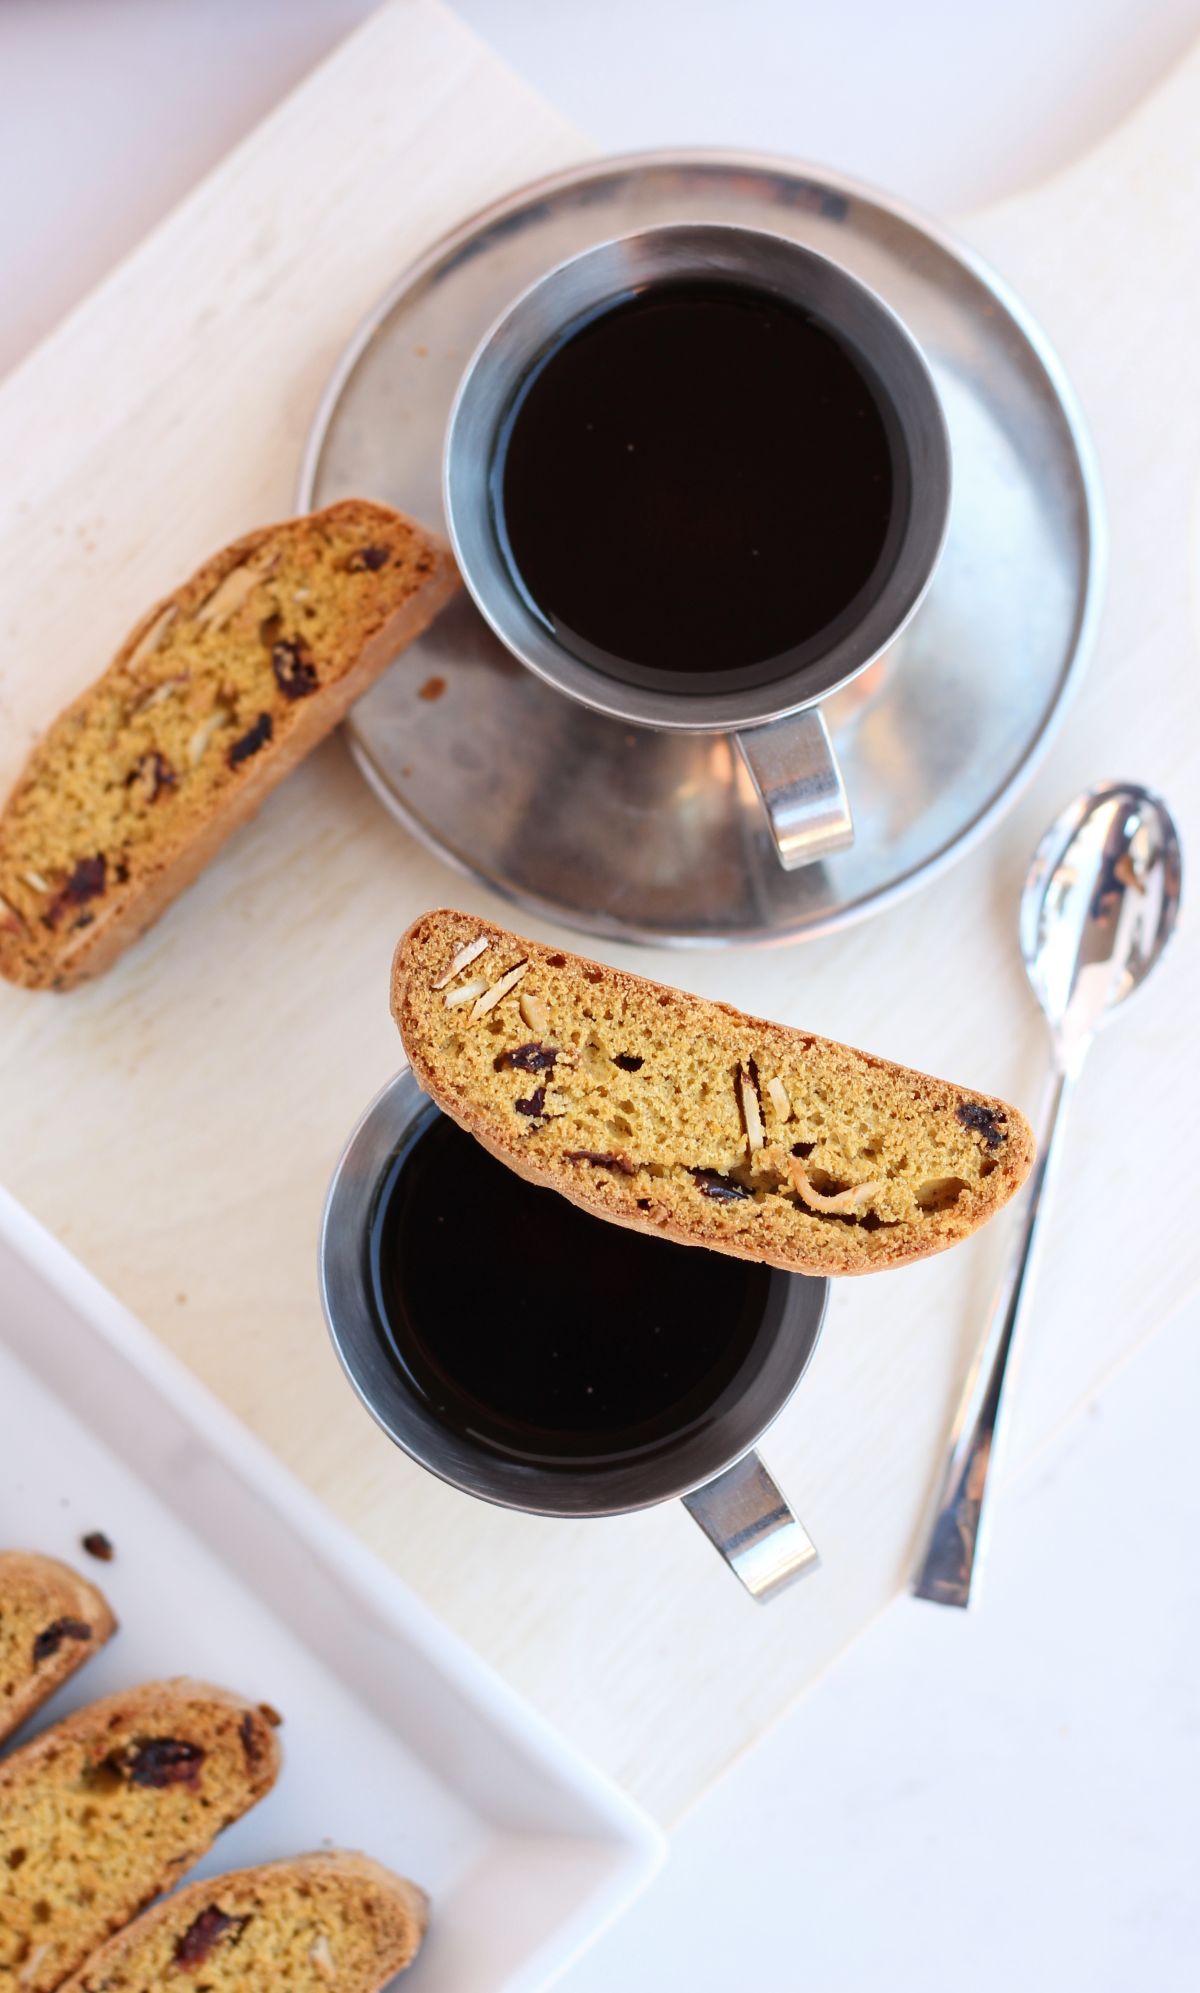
110, 1807
214, 697
51, 1622
679, 1116
326, 1923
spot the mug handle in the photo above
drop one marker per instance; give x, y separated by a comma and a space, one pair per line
744, 1514
793, 767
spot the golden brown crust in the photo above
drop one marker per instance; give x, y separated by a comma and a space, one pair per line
108, 1808
685, 1118
51, 1622
302, 634
316, 1922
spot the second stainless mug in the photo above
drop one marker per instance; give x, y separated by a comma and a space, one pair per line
715, 1470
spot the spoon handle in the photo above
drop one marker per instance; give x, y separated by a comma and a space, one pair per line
950, 1571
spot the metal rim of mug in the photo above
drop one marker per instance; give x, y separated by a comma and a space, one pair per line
356, 1338
910, 404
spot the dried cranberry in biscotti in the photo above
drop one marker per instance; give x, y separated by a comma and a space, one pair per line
159, 1762
607, 1160
205, 1933
51, 1637
985, 1121
86, 882
257, 736
295, 672
527, 1059
722, 1189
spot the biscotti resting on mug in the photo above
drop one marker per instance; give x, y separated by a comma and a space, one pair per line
325, 1923
110, 1807
213, 698
675, 1115
51, 1622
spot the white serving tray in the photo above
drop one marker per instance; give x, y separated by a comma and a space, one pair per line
396, 1738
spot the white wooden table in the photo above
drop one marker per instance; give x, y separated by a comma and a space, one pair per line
176, 1123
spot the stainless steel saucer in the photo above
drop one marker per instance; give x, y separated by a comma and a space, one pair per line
658, 837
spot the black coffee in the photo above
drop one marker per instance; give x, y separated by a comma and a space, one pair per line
541, 1333
694, 488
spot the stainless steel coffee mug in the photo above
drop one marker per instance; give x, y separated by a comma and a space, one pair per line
778, 727
715, 1471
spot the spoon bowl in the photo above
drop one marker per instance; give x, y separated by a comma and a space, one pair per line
1099, 907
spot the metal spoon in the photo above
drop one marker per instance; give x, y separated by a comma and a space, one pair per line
1097, 911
